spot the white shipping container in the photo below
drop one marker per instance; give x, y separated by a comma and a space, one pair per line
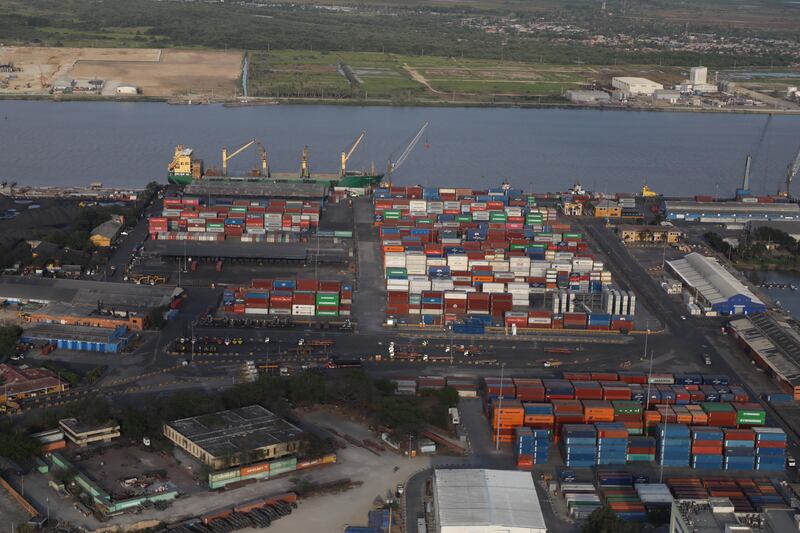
256, 311
493, 287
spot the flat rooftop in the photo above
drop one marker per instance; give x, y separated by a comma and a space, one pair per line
244, 250
79, 427
501, 499
64, 332
81, 293
236, 430
258, 188
786, 209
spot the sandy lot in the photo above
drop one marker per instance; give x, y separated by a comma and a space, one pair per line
156, 72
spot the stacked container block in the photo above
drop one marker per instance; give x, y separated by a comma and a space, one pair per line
770, 449
674, 445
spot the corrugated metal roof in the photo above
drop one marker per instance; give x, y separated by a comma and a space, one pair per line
490, 498
705, 274
775, 341
684, 206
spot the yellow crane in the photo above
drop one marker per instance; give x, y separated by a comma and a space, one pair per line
346, 156
262, 154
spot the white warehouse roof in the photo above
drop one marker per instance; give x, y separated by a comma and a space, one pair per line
705, 274
487, 501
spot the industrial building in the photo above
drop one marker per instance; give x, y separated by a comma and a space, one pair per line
82, 338
86, 303
588, 97
715, 287
790, 227
272, 252
774, 344
718, 212
666, 95
654, 234
25, 382
718, 515
486, 501
698, 75
632, 86
106, 233
235, 437
82, 434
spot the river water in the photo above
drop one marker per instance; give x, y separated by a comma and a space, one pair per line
129, 144
787, 298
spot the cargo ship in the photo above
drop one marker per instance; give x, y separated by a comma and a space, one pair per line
184, 169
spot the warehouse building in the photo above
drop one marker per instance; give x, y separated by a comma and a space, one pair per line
631, 86
656, 234
774, 344
81, 338
486, 501
20, 382
588, 97
106, 233
274, 252
235, 437
86, 303
718, 212
715, 287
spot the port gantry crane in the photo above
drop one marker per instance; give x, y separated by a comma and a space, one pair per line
262, 155
791, 172
394, 165
346, 155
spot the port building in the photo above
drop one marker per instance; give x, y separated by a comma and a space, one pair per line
235, 437
106, 233
588, 97
729, 211
25, 382
632, 86
630, 233
486, 501
774, 344
83, 338
86, 303
715, 287
83, 434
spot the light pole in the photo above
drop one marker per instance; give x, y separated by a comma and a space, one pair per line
499, 407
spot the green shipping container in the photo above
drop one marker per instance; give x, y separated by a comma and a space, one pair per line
715, 407
751, 418
396, 271
321, 312
572, 236
497, 217
519, 246
424, 221
343, 234
238, 209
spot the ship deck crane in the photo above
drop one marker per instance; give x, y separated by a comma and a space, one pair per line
346, 156
791, 172
262, 154
394, 165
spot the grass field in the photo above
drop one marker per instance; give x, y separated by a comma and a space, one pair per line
427, 78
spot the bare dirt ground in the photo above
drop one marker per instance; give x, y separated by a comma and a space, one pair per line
166, 73
113, 465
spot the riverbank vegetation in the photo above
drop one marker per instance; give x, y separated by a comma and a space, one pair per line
764, 248
555, 31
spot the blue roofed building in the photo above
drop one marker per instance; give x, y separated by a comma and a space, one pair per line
714, 287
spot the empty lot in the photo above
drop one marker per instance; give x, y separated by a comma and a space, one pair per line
156, 72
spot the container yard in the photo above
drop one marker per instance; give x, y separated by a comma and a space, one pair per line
246, 220
302, 299
476, 259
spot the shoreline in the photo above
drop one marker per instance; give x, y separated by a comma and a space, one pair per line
259, 101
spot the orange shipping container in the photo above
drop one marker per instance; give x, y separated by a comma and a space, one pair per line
253, 469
